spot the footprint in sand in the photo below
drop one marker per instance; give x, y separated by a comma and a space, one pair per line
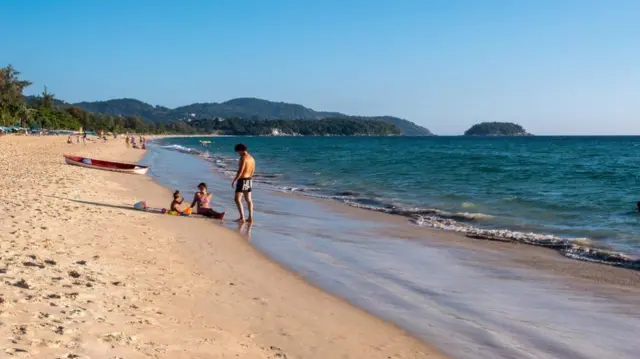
17, 352
277, 352
33, 264
74, 274
119, 338
72, 295
43, 343
22, 284
19, 330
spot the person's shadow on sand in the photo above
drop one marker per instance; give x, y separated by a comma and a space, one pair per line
149, 209
130, 208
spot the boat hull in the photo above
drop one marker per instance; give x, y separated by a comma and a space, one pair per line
106, 165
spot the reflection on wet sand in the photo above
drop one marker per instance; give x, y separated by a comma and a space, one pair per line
245, 229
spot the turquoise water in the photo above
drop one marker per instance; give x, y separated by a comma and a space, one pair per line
571, 187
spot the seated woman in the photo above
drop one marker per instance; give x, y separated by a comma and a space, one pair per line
203, 200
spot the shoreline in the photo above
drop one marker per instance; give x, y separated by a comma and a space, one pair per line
536, 258
466, 225
90, 275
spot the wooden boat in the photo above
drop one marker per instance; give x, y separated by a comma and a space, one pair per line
106, 165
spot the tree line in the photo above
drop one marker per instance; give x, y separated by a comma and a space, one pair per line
323, 127
45, 111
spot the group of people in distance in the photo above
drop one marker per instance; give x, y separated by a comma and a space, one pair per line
242, 184
131, 140
102, 136
84, 138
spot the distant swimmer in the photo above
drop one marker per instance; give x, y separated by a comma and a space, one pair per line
638, 206
242, 182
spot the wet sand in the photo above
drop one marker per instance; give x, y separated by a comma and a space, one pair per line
85, 276
510, 254
476, 298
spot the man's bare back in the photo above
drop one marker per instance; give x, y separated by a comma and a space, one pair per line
247, 166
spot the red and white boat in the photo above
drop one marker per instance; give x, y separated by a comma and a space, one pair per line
106, 165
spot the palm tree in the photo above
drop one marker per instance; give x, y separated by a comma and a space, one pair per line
25, 115
47, 98
4, 118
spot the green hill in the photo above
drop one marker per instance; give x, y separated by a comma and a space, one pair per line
240, 115
128, 107
243, 108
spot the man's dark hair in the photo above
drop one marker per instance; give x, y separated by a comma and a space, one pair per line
240, 147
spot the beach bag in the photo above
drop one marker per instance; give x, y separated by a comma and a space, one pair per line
141, 206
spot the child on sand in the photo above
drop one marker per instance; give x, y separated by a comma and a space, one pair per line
177, 201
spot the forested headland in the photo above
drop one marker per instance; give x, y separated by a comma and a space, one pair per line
244, 116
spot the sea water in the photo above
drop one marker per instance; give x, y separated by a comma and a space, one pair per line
449, 297
543, 189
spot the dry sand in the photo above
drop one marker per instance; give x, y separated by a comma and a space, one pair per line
85, 276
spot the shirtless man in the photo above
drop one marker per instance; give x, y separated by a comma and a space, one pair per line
242, 181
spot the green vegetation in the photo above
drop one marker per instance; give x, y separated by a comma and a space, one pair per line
12, 105
323, 127
240, 108
245, 116
496, 129
44, 111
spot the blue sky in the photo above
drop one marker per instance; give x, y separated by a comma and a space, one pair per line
554, 66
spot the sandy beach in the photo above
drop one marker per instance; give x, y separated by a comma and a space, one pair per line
86, 276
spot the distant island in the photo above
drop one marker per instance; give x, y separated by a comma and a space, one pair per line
240, 116
496, 129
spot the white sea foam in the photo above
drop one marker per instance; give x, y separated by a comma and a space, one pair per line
180, 149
